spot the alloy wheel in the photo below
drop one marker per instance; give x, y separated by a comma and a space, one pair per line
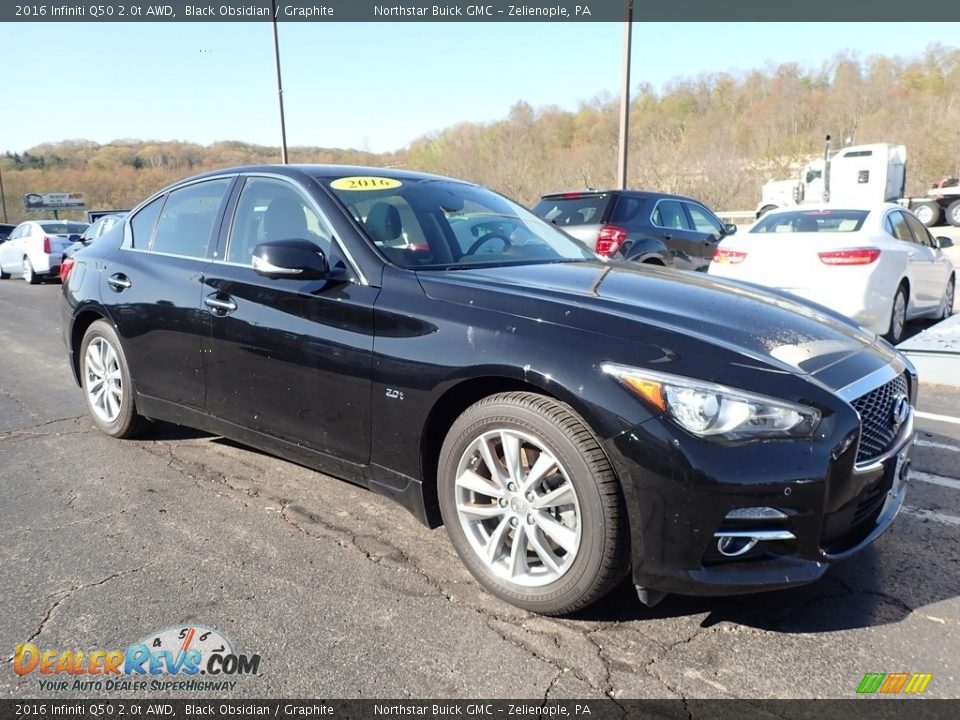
103, 380
517, 507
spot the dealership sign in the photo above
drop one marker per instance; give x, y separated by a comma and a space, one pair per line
53, 201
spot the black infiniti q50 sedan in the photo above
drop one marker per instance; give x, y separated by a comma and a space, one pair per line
569, 419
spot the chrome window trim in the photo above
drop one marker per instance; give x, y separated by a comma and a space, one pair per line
316, 208
204, 259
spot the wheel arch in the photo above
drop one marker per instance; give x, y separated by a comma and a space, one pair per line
81, 322
450, 405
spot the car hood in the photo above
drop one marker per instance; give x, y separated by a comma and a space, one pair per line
646, 303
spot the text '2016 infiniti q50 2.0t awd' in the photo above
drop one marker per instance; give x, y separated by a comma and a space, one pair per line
570, 420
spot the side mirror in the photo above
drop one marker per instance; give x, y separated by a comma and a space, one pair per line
297, 259
729, 229
944, 242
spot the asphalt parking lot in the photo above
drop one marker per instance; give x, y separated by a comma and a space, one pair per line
345, 595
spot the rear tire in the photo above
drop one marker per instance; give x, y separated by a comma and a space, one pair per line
953, 213
106, 381
898, 316
764, 210
531, 503
28, 274
4, 275
927, 212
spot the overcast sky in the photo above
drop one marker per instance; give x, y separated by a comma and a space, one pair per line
373, 86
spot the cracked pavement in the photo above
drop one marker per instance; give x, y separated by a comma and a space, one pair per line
344, 594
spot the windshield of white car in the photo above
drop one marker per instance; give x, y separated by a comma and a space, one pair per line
811, 221
438, 224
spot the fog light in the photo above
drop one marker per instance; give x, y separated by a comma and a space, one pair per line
756, 513
734, 546
732, 543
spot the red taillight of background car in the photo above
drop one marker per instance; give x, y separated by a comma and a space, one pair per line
857, 256
65, 267
610, 239
731, 257
46, 245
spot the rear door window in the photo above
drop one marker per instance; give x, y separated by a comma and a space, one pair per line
669, 214
141, 225
188, 218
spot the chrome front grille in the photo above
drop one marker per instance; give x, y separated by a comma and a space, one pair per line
878, 428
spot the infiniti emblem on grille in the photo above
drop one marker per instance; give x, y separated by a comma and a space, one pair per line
899, 410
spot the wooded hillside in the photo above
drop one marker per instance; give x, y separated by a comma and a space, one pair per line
717, 137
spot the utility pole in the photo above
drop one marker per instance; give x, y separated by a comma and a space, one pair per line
625, 98
276, 55
3, 198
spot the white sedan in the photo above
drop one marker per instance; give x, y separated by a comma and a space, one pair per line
878, 265
35, 248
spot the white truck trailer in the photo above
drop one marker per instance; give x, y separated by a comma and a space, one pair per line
863, 174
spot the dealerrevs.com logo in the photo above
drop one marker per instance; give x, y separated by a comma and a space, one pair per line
172, 659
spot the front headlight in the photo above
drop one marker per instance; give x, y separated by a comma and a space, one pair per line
714, 411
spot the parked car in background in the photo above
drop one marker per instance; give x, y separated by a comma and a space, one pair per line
101, 225
640, 226
5, 231
570, 420
35, 248
878, 265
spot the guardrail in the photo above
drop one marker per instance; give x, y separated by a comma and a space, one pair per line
738, 217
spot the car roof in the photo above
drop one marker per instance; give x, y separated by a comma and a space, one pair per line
646, 194
825, 207
328, 170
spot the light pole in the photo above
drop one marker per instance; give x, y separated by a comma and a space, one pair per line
3, 198
625, 98
276, 55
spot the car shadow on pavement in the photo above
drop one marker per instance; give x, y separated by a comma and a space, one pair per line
159, 430
871, 589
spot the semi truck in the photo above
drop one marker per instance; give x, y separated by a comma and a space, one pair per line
863, 174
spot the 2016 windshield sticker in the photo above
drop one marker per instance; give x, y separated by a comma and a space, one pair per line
365, 183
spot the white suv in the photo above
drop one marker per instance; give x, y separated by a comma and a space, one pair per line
35, 248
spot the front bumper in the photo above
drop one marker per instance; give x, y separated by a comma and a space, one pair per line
679, 494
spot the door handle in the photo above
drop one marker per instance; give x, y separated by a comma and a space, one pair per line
220, 306
119, 282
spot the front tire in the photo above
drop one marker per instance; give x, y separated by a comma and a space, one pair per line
107, 385
29, 275
531, 503
898, 316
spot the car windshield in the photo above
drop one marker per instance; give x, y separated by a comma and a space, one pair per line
811, 221
63, 228
438, 224
573, 208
